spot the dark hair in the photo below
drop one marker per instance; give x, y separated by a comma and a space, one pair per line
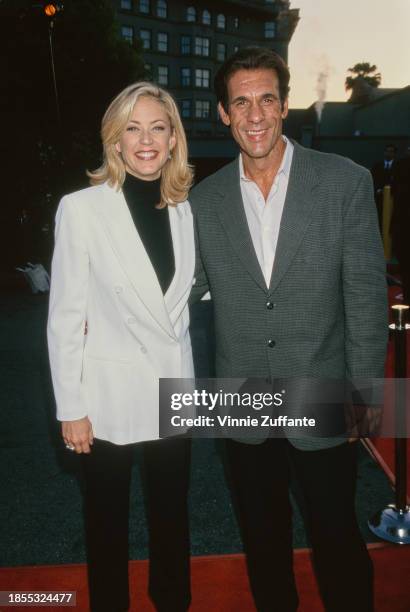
251, 58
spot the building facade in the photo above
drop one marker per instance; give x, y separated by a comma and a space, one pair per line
185, 42
359, 131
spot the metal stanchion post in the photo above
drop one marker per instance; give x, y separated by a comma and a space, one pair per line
393, 523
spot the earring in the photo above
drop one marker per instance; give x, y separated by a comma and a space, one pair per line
169, 155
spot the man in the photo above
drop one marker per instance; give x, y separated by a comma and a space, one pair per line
287, 243
384, 173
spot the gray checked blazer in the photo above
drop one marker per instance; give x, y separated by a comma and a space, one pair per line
324, 314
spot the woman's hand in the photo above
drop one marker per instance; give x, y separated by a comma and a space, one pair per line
78, 434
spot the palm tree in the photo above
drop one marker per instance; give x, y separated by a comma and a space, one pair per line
365, 72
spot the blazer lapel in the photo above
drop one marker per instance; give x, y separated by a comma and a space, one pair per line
296, 214
127, 245
233, 218
180, 217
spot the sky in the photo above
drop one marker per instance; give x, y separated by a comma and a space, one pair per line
333, 35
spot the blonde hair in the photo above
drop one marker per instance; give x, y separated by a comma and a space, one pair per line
176, 175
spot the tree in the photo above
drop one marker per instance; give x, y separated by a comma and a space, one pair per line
365, 72
41, 157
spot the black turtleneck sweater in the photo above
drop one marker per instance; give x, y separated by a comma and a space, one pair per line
152, 225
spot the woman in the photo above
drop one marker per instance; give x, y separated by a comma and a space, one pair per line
122, 271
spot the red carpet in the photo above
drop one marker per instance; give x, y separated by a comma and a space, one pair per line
219, 583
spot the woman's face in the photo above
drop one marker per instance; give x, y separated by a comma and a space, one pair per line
147, 140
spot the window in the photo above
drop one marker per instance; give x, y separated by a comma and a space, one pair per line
202, 77
191, 13
221, 22
185, 45
162, 9
145, 36
236, 23
144, 6
126, 4
206, 17
185, 77
236, 48
162, 75
201, 46
127, 32
221, 52
185, 108
202, 109
270, 29
162, 42
148, 72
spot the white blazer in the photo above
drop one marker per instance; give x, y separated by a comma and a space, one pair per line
103, 277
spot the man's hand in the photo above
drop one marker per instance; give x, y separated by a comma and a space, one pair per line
366, 423
78, 434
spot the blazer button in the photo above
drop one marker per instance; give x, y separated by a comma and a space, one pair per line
269, 305
271, 343
132, 320
143, 349
118, 289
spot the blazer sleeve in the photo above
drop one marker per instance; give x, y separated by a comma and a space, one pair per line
200, 286
364, 285
67, 310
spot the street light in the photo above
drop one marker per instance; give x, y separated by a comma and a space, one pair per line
51, 9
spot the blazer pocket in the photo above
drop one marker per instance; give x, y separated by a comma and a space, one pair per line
109, 359
318, 259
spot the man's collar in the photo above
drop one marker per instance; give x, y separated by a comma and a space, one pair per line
284, 165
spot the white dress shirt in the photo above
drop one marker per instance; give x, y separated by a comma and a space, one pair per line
264, 217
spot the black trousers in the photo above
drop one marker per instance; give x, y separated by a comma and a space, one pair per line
260, 486
107, 470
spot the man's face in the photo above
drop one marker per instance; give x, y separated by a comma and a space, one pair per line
389, 153
254, 113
